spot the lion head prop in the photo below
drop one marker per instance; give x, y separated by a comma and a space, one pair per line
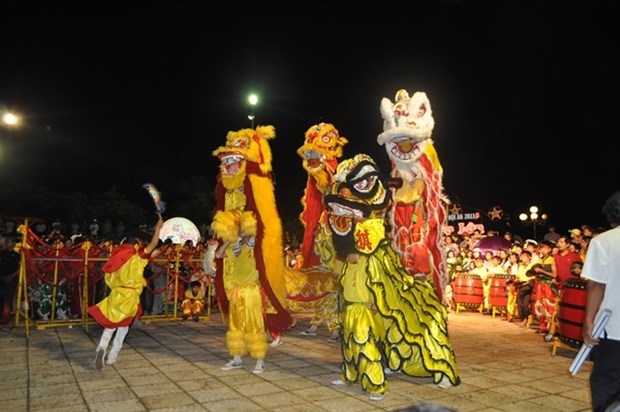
358, 202
243, 147
323, 146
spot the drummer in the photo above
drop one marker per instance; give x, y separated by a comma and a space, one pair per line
481, 270
545, 287
524, 285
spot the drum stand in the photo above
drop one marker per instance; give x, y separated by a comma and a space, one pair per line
502, 310
557, 343
463, 306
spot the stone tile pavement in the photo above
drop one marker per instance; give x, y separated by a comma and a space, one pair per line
174, 365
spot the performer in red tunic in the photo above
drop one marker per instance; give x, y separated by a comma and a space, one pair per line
124, 275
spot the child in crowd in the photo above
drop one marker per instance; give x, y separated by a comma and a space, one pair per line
194, 301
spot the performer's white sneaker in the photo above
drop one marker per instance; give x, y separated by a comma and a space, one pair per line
277, 342
445, 383
377, 396
111, 360
337, 382
231, 365
310, 332
335, 337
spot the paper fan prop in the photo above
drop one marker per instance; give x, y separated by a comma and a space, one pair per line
160, 205
179, 230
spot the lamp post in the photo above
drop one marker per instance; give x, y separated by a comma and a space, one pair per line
253, 99
10, 119
533, 218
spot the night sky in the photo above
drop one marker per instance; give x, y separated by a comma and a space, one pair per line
524, 94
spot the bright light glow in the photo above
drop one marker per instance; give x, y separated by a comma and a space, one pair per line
533, 216
10, 119
523, 217
534, 209
253, 99
544, 216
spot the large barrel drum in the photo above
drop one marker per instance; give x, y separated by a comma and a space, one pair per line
498, 294
468, 289
571, 311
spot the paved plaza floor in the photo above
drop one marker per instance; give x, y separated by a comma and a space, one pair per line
169, 365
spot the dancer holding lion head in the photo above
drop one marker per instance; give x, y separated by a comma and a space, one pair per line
245, 183
316, 285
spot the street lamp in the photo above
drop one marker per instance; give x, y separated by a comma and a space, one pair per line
253, 99
10, 119
533, 218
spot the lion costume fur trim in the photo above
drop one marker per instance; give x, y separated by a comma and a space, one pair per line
225, 224
273, 251
248, 224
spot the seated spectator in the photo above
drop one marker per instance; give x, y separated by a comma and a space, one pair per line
194, 302
523, 285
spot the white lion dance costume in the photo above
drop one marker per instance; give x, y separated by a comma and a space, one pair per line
245, 184
418, 216
388, 318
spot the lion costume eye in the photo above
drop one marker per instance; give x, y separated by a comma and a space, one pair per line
366, 185
241, 142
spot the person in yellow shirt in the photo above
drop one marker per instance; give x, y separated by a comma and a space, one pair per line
124, 275
246, 313
194, 301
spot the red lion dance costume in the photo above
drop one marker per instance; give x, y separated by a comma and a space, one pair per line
315, 286
418, 216
245, 183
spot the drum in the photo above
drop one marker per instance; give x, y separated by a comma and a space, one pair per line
468, 290
498, 295
571, 311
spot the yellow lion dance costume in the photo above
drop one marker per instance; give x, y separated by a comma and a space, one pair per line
245, 183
